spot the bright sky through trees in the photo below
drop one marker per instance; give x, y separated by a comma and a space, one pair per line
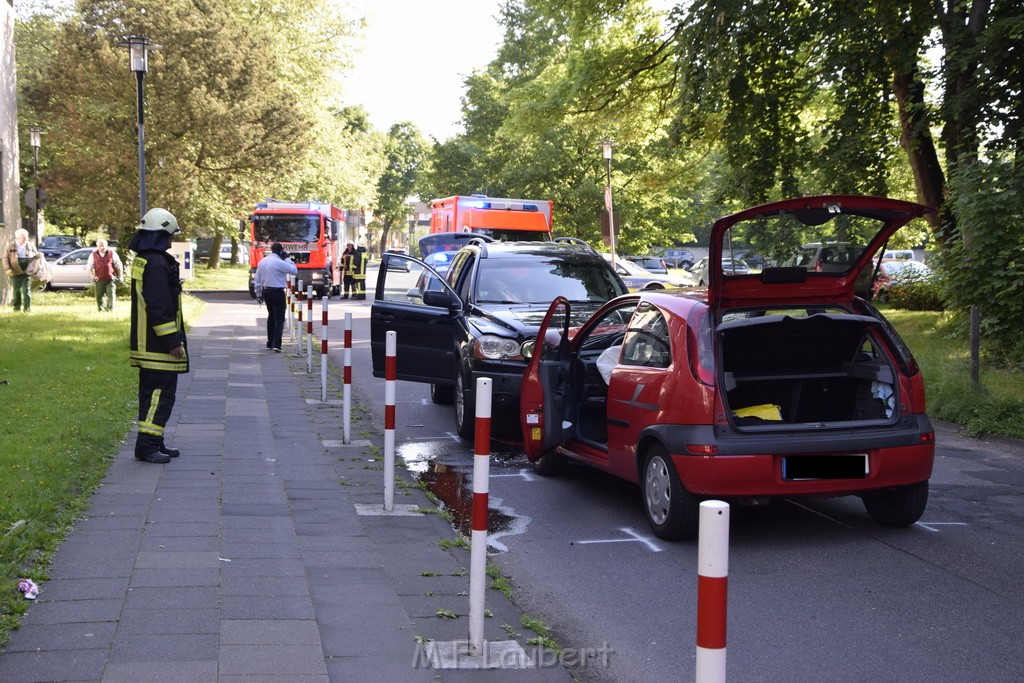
415, 56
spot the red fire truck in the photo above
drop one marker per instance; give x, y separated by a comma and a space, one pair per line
516, 220
309, 231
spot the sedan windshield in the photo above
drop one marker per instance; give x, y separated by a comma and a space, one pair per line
526, 281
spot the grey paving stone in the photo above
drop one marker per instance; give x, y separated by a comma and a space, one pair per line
192, 559
375, 669
269, 632
264, 586
254, 510
82, 589
45, 637
164, 647
347, 639
169, 597
267, 607
160, 672
262, 567
271, 660
181, 621
62, 665
158, 544
176, 576
174, 528
74, 611
258, 551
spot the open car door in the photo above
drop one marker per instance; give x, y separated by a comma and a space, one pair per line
547, 413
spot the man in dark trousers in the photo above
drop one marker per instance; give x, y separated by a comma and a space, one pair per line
158, 345
268, 285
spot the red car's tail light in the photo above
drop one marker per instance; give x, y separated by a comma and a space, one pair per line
700, 345
701, 448
928, 437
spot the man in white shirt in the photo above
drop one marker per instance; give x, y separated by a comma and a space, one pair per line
268, 284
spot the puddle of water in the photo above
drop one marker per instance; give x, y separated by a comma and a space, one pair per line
446, 468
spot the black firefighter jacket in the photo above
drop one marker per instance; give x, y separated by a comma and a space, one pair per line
157, 325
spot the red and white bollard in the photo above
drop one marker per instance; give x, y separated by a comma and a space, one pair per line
309, 329
712, 590
346, 391
478, 539
323, 350
287, 303
390, 374
298, 322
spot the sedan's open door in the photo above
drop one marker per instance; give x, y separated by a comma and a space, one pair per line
548, 416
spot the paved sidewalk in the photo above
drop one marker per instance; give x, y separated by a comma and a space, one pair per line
247, 558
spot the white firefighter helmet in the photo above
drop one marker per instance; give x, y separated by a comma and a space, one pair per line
160, 219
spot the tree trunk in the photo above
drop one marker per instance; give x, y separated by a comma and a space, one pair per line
916, 139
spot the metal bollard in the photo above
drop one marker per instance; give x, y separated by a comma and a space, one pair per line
287, 303
346, 391
390, 373
712, 590
309, 329
478, 545
298, 323
323, 351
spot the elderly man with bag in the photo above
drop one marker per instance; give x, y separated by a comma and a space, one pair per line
19, 255
158, 345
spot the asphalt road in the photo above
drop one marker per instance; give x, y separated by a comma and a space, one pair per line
817, 591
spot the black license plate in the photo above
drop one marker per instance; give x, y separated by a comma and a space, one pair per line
852, 466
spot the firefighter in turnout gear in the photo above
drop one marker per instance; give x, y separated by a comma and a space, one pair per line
158, 345
359, 260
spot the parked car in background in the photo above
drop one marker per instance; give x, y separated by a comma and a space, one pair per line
702, 276
826, 257
901, 254
652, 264
398, 264
225, 253
71, 271
480, 318
54, 246
637, 278
677, 257
892, 272
783, 384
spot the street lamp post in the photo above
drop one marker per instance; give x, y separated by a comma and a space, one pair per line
606, 146
35, 139
138, 49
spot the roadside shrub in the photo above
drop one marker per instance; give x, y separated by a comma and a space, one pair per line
916, 295
983, 262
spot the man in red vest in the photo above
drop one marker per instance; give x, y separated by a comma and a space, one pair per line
106, 271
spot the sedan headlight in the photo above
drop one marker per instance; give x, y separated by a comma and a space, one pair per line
493, 347
527, 348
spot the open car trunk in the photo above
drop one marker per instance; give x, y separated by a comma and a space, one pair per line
824, 370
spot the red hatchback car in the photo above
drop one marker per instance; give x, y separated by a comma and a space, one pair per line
782, 383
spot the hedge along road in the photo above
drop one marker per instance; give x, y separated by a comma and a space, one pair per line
817, 590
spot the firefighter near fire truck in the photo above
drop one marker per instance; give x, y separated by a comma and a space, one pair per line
157, 346
308, 231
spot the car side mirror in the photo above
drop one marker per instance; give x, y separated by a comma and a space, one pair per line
438, 299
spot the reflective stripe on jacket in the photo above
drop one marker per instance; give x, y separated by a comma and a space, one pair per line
157, 325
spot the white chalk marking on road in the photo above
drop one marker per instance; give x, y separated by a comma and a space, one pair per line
820, 514
523, 474
377, 510
929, 525
453, 437
635, 538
